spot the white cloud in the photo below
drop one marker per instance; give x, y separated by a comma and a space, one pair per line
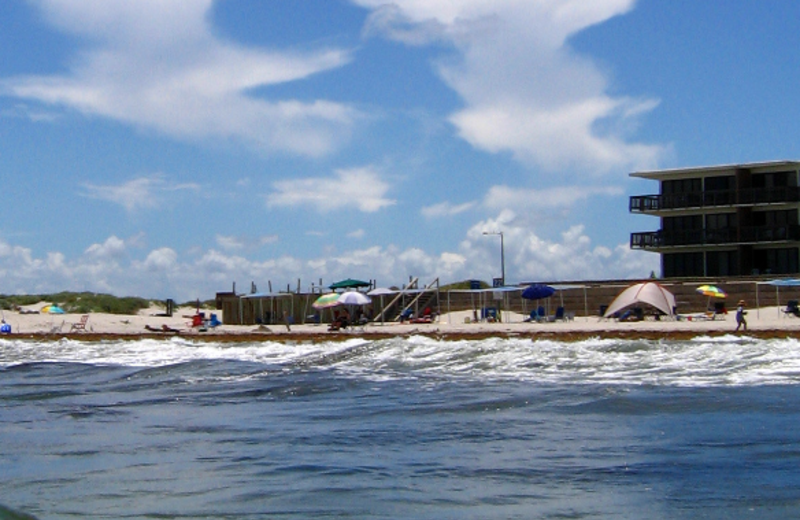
230, 243
161, 259
139, 193
356, 233
158, 65
361, 189
446, 209
164, 273
525, 91
389, 19
32, 114
266, 239
532, 258
500, 197
113, 247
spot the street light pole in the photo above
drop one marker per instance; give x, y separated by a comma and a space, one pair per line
502, 255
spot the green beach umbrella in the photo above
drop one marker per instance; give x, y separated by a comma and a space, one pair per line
349, 284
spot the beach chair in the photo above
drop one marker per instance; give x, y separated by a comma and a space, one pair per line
338, 324
360, 323
425, 317
541, 315
558, 316
634, 314
81, 325
56, 329
340, 321
792, 308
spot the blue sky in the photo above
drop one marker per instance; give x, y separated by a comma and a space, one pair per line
171, 148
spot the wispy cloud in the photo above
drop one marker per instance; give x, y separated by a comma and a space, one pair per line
360, 189
25, 111
112, 248
503, 197
446, 209
231, 243
139, 193
159, 65
525, 91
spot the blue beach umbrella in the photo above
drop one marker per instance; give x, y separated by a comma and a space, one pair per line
537, 291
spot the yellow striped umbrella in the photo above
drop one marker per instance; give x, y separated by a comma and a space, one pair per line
712, 291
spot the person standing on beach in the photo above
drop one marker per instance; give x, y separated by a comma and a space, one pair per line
287, 320
740, 313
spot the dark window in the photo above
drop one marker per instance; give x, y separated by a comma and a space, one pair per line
683, 230
722, 263
682, 264
681, 186
776, 261
719, 183
684, 223
774, 179
775, 218
721, 221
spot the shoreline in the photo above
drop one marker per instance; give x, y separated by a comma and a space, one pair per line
439, 335
763, 323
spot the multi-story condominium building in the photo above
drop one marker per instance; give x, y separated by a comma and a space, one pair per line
727, 220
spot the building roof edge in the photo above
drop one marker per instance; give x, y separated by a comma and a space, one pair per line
655, 174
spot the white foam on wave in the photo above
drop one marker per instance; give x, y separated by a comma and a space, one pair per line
155, 353
728, 361
703, 361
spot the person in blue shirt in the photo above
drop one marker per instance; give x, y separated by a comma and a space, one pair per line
740, 314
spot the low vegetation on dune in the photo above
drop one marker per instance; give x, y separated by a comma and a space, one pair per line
86, 302
464, 285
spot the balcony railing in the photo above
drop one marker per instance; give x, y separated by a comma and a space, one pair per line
701, 237
651, 203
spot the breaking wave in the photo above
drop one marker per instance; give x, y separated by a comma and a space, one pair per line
703, 361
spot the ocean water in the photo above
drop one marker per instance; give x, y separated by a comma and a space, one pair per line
401, 428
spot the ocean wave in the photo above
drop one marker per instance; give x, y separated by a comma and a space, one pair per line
702, 361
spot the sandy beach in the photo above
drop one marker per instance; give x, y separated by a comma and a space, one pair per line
25, 323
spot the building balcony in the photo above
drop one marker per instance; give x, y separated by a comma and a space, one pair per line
710, 199
654, 240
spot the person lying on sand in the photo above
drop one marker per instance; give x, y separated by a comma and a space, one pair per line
164, 328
